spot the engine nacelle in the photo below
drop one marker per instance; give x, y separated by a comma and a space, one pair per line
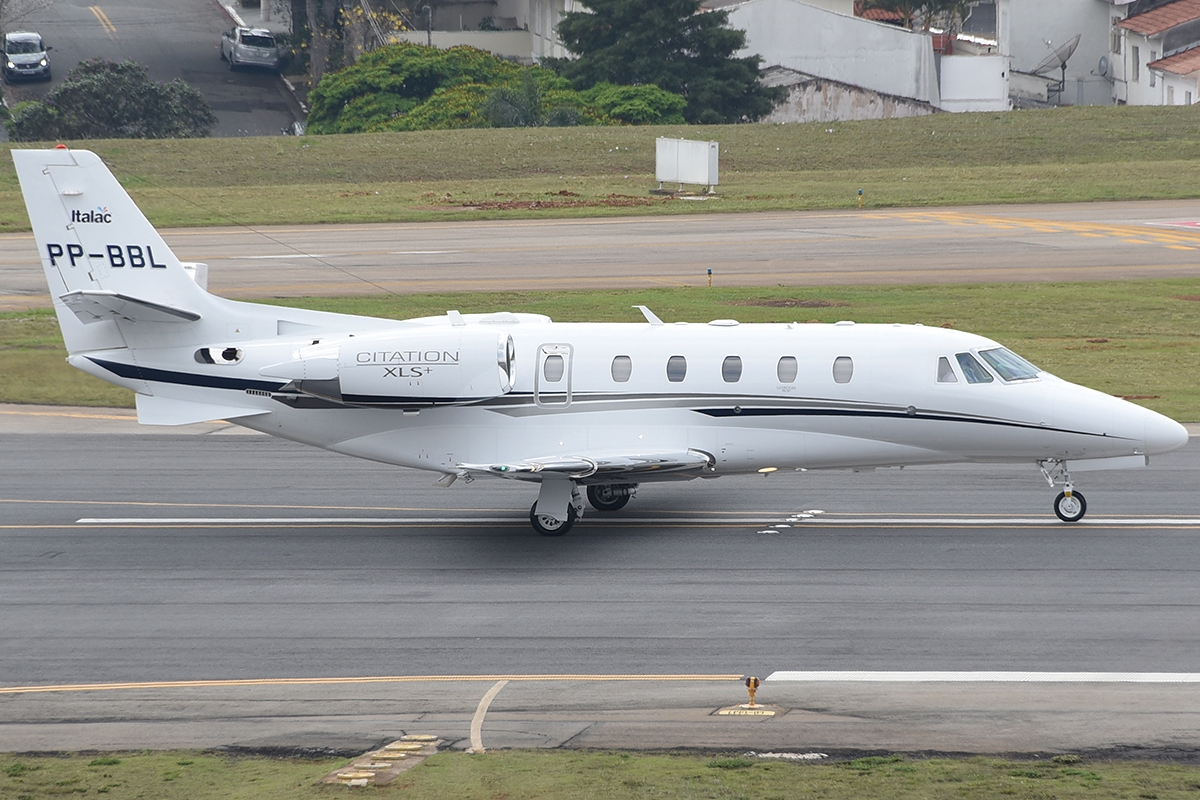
417, 366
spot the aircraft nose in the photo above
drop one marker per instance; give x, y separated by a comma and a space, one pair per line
1163, 434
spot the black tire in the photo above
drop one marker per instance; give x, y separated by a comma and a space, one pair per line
1070, 509
604, 498
546, 526
221, 50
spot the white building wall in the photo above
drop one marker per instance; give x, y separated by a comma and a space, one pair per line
975, 83
1181, 90
1142, 86
847, 49
1025, 25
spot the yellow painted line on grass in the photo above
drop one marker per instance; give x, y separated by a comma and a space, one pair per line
104, 21
212, 684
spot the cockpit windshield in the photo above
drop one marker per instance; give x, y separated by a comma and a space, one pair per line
1009, 365
22, 46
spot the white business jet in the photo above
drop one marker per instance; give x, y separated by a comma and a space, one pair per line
595, 408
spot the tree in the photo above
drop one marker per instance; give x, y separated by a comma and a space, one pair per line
113, 100
666, 44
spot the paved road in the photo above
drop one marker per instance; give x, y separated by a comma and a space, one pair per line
174, 39
321, 566
978, 244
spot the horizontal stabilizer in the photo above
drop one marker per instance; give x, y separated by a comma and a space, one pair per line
169, 411
597, 469
93, 305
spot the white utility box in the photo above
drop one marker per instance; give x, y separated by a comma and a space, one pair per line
686, 161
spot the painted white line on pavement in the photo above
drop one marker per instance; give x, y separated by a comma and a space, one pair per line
829, 519
384, 520
988, 677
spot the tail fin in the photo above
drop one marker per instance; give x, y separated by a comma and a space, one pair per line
102, 257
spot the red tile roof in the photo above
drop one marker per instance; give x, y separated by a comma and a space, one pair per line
1163, 18
882, 15
1184, 62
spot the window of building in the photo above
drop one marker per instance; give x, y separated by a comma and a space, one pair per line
972, 369
843, 369
1187, 98
676, 369
1116, 35
945, 371
1170, 95
553, 368
731, 369
622, 368
1135, 69
786, 369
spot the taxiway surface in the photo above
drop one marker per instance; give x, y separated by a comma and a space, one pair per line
1085, 241
149, 557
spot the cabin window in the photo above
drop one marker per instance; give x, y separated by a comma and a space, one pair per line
731, 369
972, 369
676, 369
553, 368
786, 369
622, 368
945, 371
843, 369
1009, 365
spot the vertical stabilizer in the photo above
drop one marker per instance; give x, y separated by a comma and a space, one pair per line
98, 250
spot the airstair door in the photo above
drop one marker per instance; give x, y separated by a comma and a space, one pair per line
552, 381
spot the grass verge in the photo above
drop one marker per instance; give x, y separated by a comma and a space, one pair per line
1136, 339
553, 774
1053, 155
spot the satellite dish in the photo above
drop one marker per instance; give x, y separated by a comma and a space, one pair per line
1058, 59
1102, 67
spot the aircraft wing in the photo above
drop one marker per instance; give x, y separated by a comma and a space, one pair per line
606, 468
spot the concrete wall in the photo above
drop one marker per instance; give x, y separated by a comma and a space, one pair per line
849, 50
974, 83
813, 99
1025, 24
516, 45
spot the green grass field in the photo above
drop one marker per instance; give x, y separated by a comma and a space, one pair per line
584, 775
1056, 155
1139, 339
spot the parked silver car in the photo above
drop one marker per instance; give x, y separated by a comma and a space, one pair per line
25, 56
250, 47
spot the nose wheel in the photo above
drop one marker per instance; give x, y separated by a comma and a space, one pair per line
1070, 506
547, 525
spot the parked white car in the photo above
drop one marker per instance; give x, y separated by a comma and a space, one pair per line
250, 47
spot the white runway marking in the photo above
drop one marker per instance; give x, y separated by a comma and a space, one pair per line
394, 520
835, 519
988, 677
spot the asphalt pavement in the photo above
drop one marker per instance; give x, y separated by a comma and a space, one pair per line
984, 244
214, 557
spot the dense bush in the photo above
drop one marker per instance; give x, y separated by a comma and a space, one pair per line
113, 100
412, 87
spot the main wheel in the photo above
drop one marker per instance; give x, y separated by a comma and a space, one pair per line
1070, 509
607, 498
549, 526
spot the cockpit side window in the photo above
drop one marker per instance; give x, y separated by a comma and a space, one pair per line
945, 371
973, 371
1009, 365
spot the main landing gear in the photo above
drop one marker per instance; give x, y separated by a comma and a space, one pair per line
1070, 505
565, 495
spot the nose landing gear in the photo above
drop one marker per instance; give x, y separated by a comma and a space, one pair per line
1070, 505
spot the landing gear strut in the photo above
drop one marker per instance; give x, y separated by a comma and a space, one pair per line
558, 505
547, 525
610, 497
1070, 505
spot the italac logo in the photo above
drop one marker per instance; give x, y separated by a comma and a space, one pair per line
97, 214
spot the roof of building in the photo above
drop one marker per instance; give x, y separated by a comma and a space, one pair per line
1163, 18
882, 15
1185, 62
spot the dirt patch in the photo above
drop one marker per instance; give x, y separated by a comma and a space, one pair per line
1140, 396
1195, 297
610, 201
789, 303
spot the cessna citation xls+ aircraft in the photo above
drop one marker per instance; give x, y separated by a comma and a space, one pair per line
595, 408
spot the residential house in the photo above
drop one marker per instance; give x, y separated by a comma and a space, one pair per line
1156, 56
